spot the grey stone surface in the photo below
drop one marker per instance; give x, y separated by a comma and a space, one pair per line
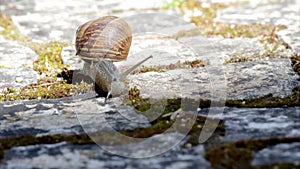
14, 55
286, 12
34, 18
45, 20
278, 154
237, 80
67, 116
17, 77
165, 51
216, 50
255, 123
65, 156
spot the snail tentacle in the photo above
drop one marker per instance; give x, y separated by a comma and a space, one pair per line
127, 72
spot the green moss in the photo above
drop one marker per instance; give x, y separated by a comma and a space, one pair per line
50, 61
142, 104
239, 154
139, 103
25, 140
274, 47
295, 59
268, 101
49, 65
164, 121
45, 88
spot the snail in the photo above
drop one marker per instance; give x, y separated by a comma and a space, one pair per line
101, 42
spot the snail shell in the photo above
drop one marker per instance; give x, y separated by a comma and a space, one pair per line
106, 37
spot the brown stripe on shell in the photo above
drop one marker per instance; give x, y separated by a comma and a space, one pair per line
106, 37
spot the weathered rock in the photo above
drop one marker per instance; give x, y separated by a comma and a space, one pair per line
17, 77
14, 55
257, 123
45, 20
278, 154
35, 19
238, 80
67, 116
64, 155
165, 52
217, 50
277, 12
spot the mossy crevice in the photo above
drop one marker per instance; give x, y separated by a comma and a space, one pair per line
44, 88
274, 47
25, 140
173, 110
178, 65
240, 154
142, 104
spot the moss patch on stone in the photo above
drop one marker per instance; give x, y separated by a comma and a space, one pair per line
10, 31
178, 65
26, 140
142, 104
268, 101
203, 14
172, 111
274, 47
49, 65
50, 61
295, 59
239, 154
45, 88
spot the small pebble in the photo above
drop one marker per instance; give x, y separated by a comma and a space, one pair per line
19, 79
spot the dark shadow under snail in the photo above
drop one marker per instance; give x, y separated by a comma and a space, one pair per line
101, 42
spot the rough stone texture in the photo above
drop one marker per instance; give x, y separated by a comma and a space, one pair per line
35, 17
278, 154
284, 12
17, 77
165, 51
243, 80
45, 20
91, 156
217, 50
255, 123
66, 116
14, 55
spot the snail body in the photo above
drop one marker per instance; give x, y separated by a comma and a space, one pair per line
101, 42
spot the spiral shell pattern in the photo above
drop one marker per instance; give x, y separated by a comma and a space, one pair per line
106, 37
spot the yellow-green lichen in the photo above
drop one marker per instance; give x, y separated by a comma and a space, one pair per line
10, 31
50, 61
